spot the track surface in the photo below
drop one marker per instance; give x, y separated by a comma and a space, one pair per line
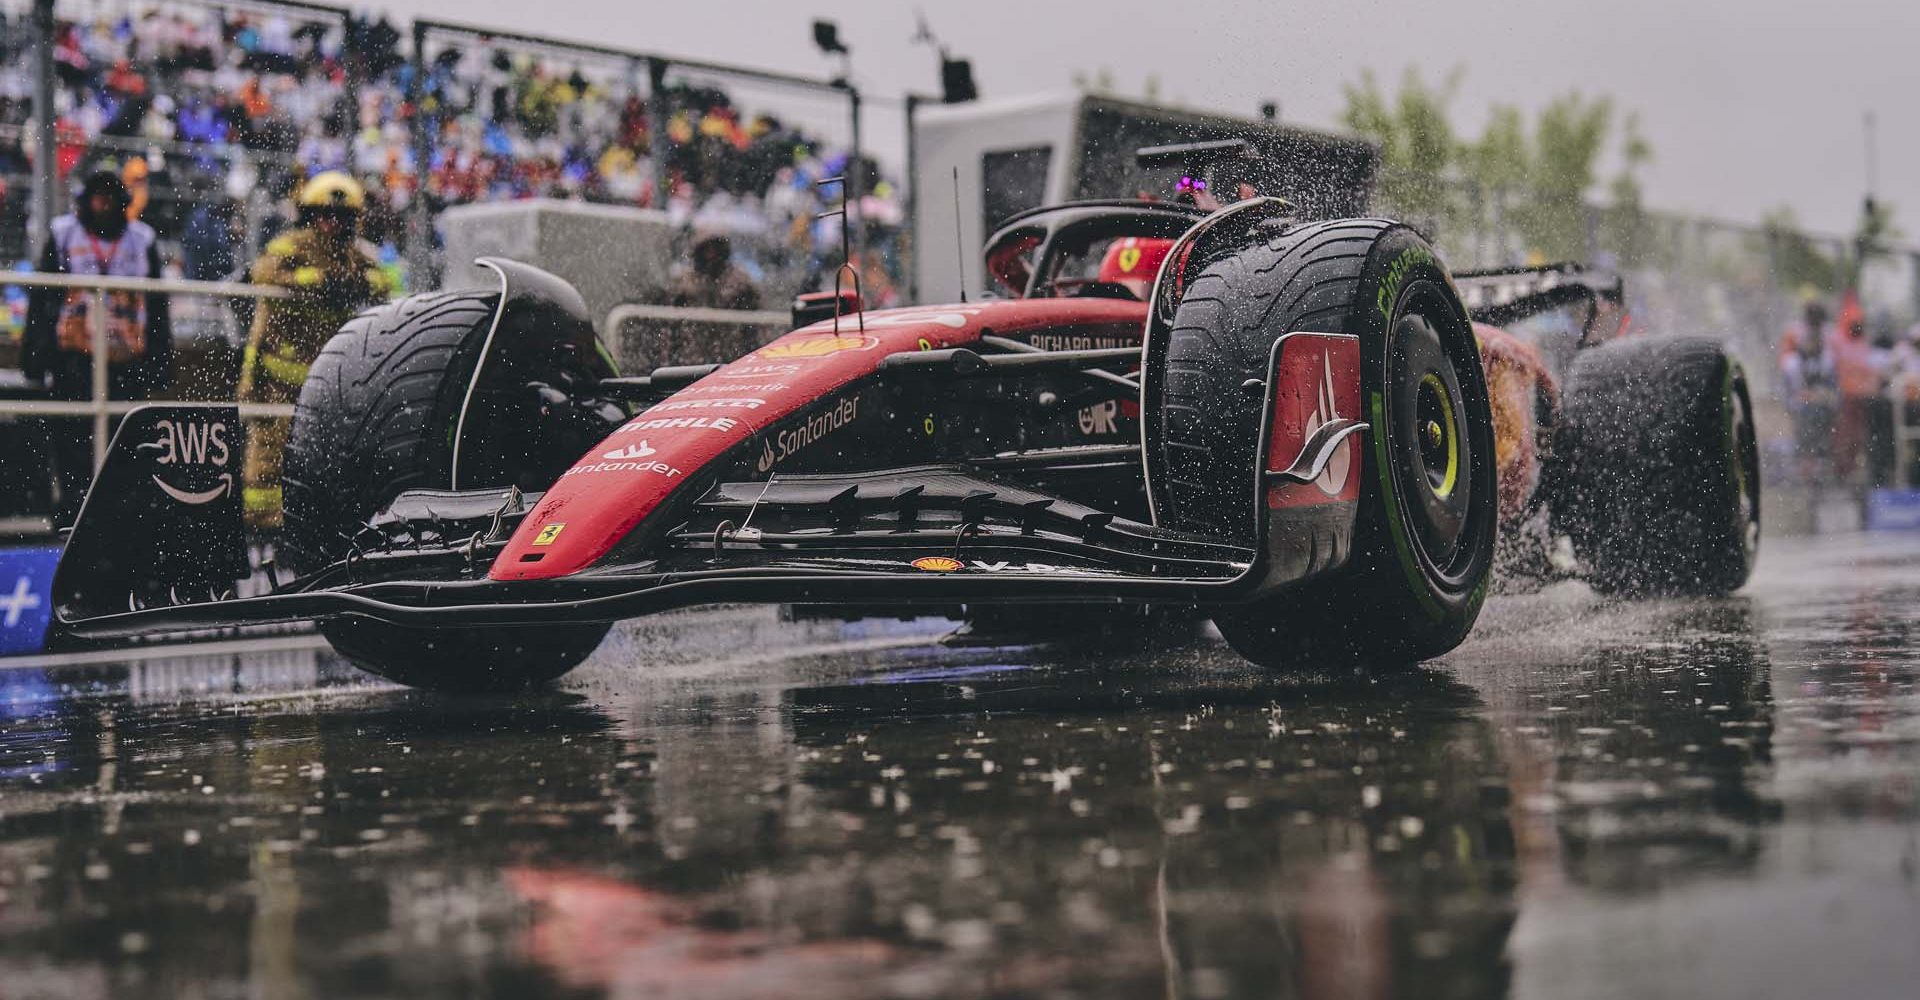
1590, 799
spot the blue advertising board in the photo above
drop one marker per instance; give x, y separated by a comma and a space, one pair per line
26, 597
1893, 510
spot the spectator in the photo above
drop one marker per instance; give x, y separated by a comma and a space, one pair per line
1860, 382
1883, 357
332, 276
97, 238
1806, 368
713, 281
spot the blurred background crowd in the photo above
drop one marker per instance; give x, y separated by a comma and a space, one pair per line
1851, 382
214, 114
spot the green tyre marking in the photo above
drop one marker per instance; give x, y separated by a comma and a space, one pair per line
1401, 545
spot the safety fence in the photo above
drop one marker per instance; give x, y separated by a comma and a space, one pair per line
202, 374
207, 363
644, 337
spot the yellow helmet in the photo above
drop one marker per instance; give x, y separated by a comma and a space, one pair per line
333, 189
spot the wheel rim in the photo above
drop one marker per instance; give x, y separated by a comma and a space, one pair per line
1437, 428
1429, 450
1436, 459
1743, 448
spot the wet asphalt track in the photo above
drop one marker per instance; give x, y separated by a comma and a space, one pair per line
1708, 799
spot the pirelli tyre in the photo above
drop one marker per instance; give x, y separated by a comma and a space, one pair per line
378, 416
1657, 472
1424, 537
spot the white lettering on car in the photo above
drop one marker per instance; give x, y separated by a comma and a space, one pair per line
1100, 418
658, 468
1079, 342
737, 403
764, 388
643, 423
787, 443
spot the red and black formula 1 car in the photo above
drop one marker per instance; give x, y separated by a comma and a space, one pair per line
1293, 428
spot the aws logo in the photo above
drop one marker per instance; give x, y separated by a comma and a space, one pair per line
186, 446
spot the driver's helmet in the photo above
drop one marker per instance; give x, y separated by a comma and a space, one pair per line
1134, 261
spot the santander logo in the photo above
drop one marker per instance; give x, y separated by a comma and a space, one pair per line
632, 451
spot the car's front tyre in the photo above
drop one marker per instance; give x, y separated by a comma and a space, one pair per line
1424, 536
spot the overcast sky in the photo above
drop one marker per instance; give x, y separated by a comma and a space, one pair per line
1749, 104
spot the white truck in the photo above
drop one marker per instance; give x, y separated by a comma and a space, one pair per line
1020, 153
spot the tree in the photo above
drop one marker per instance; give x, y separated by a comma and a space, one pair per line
1624, 228
1568, 136
1531, 179
1417, 146
1798, 264
1873, 238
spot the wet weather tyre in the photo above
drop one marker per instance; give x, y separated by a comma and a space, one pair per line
1658, 478
1423, 540
464, 660
375, 418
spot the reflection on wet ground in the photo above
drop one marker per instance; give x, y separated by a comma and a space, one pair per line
1590, 799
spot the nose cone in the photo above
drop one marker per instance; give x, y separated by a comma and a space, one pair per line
732, 415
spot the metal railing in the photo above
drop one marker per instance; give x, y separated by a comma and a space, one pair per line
98, 406
645, 336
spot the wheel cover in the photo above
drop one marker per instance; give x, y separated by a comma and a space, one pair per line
1743, 449
1428, 442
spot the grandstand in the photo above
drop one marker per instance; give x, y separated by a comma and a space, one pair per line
226, 105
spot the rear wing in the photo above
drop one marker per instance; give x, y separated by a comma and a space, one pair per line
1509, 295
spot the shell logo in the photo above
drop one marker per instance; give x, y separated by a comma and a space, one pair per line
938, 564
817, 347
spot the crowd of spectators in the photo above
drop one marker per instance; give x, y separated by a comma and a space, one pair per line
223, 110
1850, 380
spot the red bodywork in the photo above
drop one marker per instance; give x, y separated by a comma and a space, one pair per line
1520, 387
752, 405
1319, 382
626, 477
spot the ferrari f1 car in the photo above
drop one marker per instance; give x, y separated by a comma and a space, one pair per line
1294, 428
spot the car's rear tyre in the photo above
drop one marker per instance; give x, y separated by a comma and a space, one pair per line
376, 417
1657, 468
1424, 537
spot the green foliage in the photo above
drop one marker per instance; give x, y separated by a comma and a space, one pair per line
1417, 145
1531, 177
1873, 238
1798, 264
1568, 135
